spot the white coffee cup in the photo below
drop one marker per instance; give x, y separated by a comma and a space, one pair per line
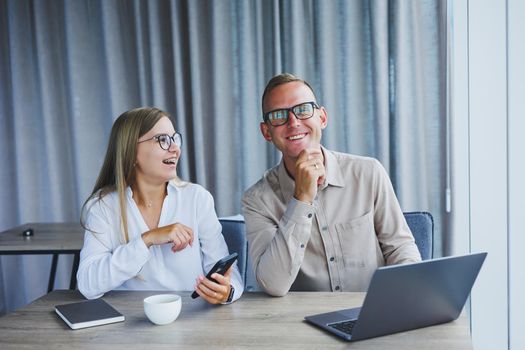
162, 309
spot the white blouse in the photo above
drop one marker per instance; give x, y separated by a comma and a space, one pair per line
107, 263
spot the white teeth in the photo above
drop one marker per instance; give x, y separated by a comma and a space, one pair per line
169, 161
296, 137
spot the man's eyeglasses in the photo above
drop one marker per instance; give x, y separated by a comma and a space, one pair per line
280, 116
166, 140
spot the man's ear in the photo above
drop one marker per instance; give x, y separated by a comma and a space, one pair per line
265, 131
324, 117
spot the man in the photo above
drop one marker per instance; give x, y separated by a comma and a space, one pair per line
320, 220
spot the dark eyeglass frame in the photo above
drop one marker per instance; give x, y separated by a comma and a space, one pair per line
266, 116
171, 140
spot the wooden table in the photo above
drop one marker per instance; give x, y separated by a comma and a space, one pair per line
47, 238
254, 321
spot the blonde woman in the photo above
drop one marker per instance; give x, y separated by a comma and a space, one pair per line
145, 228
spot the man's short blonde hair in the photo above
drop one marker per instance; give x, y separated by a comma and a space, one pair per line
281, 79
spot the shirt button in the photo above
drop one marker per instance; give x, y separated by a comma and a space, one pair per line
337, 288
309, 215
302, 245
324, 228
332, 258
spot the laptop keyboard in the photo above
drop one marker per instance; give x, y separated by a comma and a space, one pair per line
344, 326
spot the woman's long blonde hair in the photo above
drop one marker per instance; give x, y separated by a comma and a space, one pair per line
118, 169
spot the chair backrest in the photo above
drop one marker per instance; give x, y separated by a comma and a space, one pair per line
250, 283
421, 224
235, 236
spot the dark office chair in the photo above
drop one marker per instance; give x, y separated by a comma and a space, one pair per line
421, 224
235, 237
250, 283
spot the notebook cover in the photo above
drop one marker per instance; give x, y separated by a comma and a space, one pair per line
88, 313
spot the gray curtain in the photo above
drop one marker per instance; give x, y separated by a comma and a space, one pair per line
69, 68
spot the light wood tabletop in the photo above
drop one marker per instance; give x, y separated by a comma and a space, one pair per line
254, 321
46, 238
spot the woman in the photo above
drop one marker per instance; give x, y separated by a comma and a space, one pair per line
145, 228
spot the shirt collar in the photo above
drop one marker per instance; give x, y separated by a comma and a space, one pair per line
286, 183
172, 187
334, 174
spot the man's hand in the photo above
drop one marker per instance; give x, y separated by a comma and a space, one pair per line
309, 174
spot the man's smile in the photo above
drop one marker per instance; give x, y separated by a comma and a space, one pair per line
296, 137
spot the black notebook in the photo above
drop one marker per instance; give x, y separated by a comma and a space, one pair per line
88, 314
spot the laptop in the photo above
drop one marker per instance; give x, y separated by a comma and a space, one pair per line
405, 297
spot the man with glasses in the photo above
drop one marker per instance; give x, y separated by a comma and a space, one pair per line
320, 220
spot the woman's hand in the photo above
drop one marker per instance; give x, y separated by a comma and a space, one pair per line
214, 293
181, 236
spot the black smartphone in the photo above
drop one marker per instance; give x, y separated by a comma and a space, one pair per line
221, 267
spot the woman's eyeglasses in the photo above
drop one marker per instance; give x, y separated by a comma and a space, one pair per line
166, 140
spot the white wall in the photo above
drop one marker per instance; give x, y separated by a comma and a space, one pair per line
488, 136
516, 159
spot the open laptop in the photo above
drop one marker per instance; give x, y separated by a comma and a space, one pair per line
404, 297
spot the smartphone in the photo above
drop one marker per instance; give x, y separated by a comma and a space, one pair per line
220, 267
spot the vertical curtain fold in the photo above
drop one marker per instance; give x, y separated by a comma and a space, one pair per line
69, 68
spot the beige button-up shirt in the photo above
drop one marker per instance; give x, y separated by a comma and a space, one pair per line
354, 226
